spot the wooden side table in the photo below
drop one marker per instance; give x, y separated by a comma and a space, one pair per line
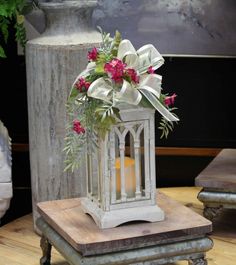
181, 236
218, 180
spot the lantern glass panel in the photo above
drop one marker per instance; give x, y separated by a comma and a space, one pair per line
129, 161
124, 149
93, 173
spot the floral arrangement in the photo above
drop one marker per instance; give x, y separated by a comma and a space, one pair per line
117, 75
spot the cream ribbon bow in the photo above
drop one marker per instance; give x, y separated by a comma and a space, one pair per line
141, 59
149, 84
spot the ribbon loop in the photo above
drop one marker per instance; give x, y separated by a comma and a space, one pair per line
100, 89
149, 56
128, 94
127, 52
140, 60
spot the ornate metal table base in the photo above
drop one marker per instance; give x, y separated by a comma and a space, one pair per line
189, 248
46, 249
218, 183
215, 200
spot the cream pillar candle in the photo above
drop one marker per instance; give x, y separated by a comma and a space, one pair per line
130, 179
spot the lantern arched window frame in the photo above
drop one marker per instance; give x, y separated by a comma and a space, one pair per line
127, 152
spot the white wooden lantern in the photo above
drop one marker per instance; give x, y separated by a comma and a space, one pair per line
121, 177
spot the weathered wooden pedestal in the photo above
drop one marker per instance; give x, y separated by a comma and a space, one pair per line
181, 236
218, 180
53, 61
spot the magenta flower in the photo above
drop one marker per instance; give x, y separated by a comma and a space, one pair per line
170, 100
82, 85
115, 70
150, 70
77, 127
132, 74
93, 54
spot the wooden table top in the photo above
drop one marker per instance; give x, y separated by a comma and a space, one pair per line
79, 229
220, 173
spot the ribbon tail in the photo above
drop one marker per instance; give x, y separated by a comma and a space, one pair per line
158, 106
152, 83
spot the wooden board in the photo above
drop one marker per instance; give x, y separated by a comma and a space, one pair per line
19, 245
220, 173
79, 229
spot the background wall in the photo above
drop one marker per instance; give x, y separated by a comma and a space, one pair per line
193, 27
175, 27
205, 85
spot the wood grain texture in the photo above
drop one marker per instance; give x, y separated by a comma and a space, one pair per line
161, 151
19, 245
220, 173
79, 229
187, 151
53, 62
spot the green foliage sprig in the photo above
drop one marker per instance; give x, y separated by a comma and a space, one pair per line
166, 126
74, 145
12, 12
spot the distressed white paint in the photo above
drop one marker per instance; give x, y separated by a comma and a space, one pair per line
114, 210
5, 170
53, 61
108, 219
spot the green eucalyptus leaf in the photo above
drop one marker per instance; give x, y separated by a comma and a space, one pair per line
73, 93
2, 53
4, 30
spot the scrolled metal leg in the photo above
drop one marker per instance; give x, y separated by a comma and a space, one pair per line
46, 249
211, 212
199, 261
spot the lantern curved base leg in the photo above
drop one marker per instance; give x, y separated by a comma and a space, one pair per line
113, 218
